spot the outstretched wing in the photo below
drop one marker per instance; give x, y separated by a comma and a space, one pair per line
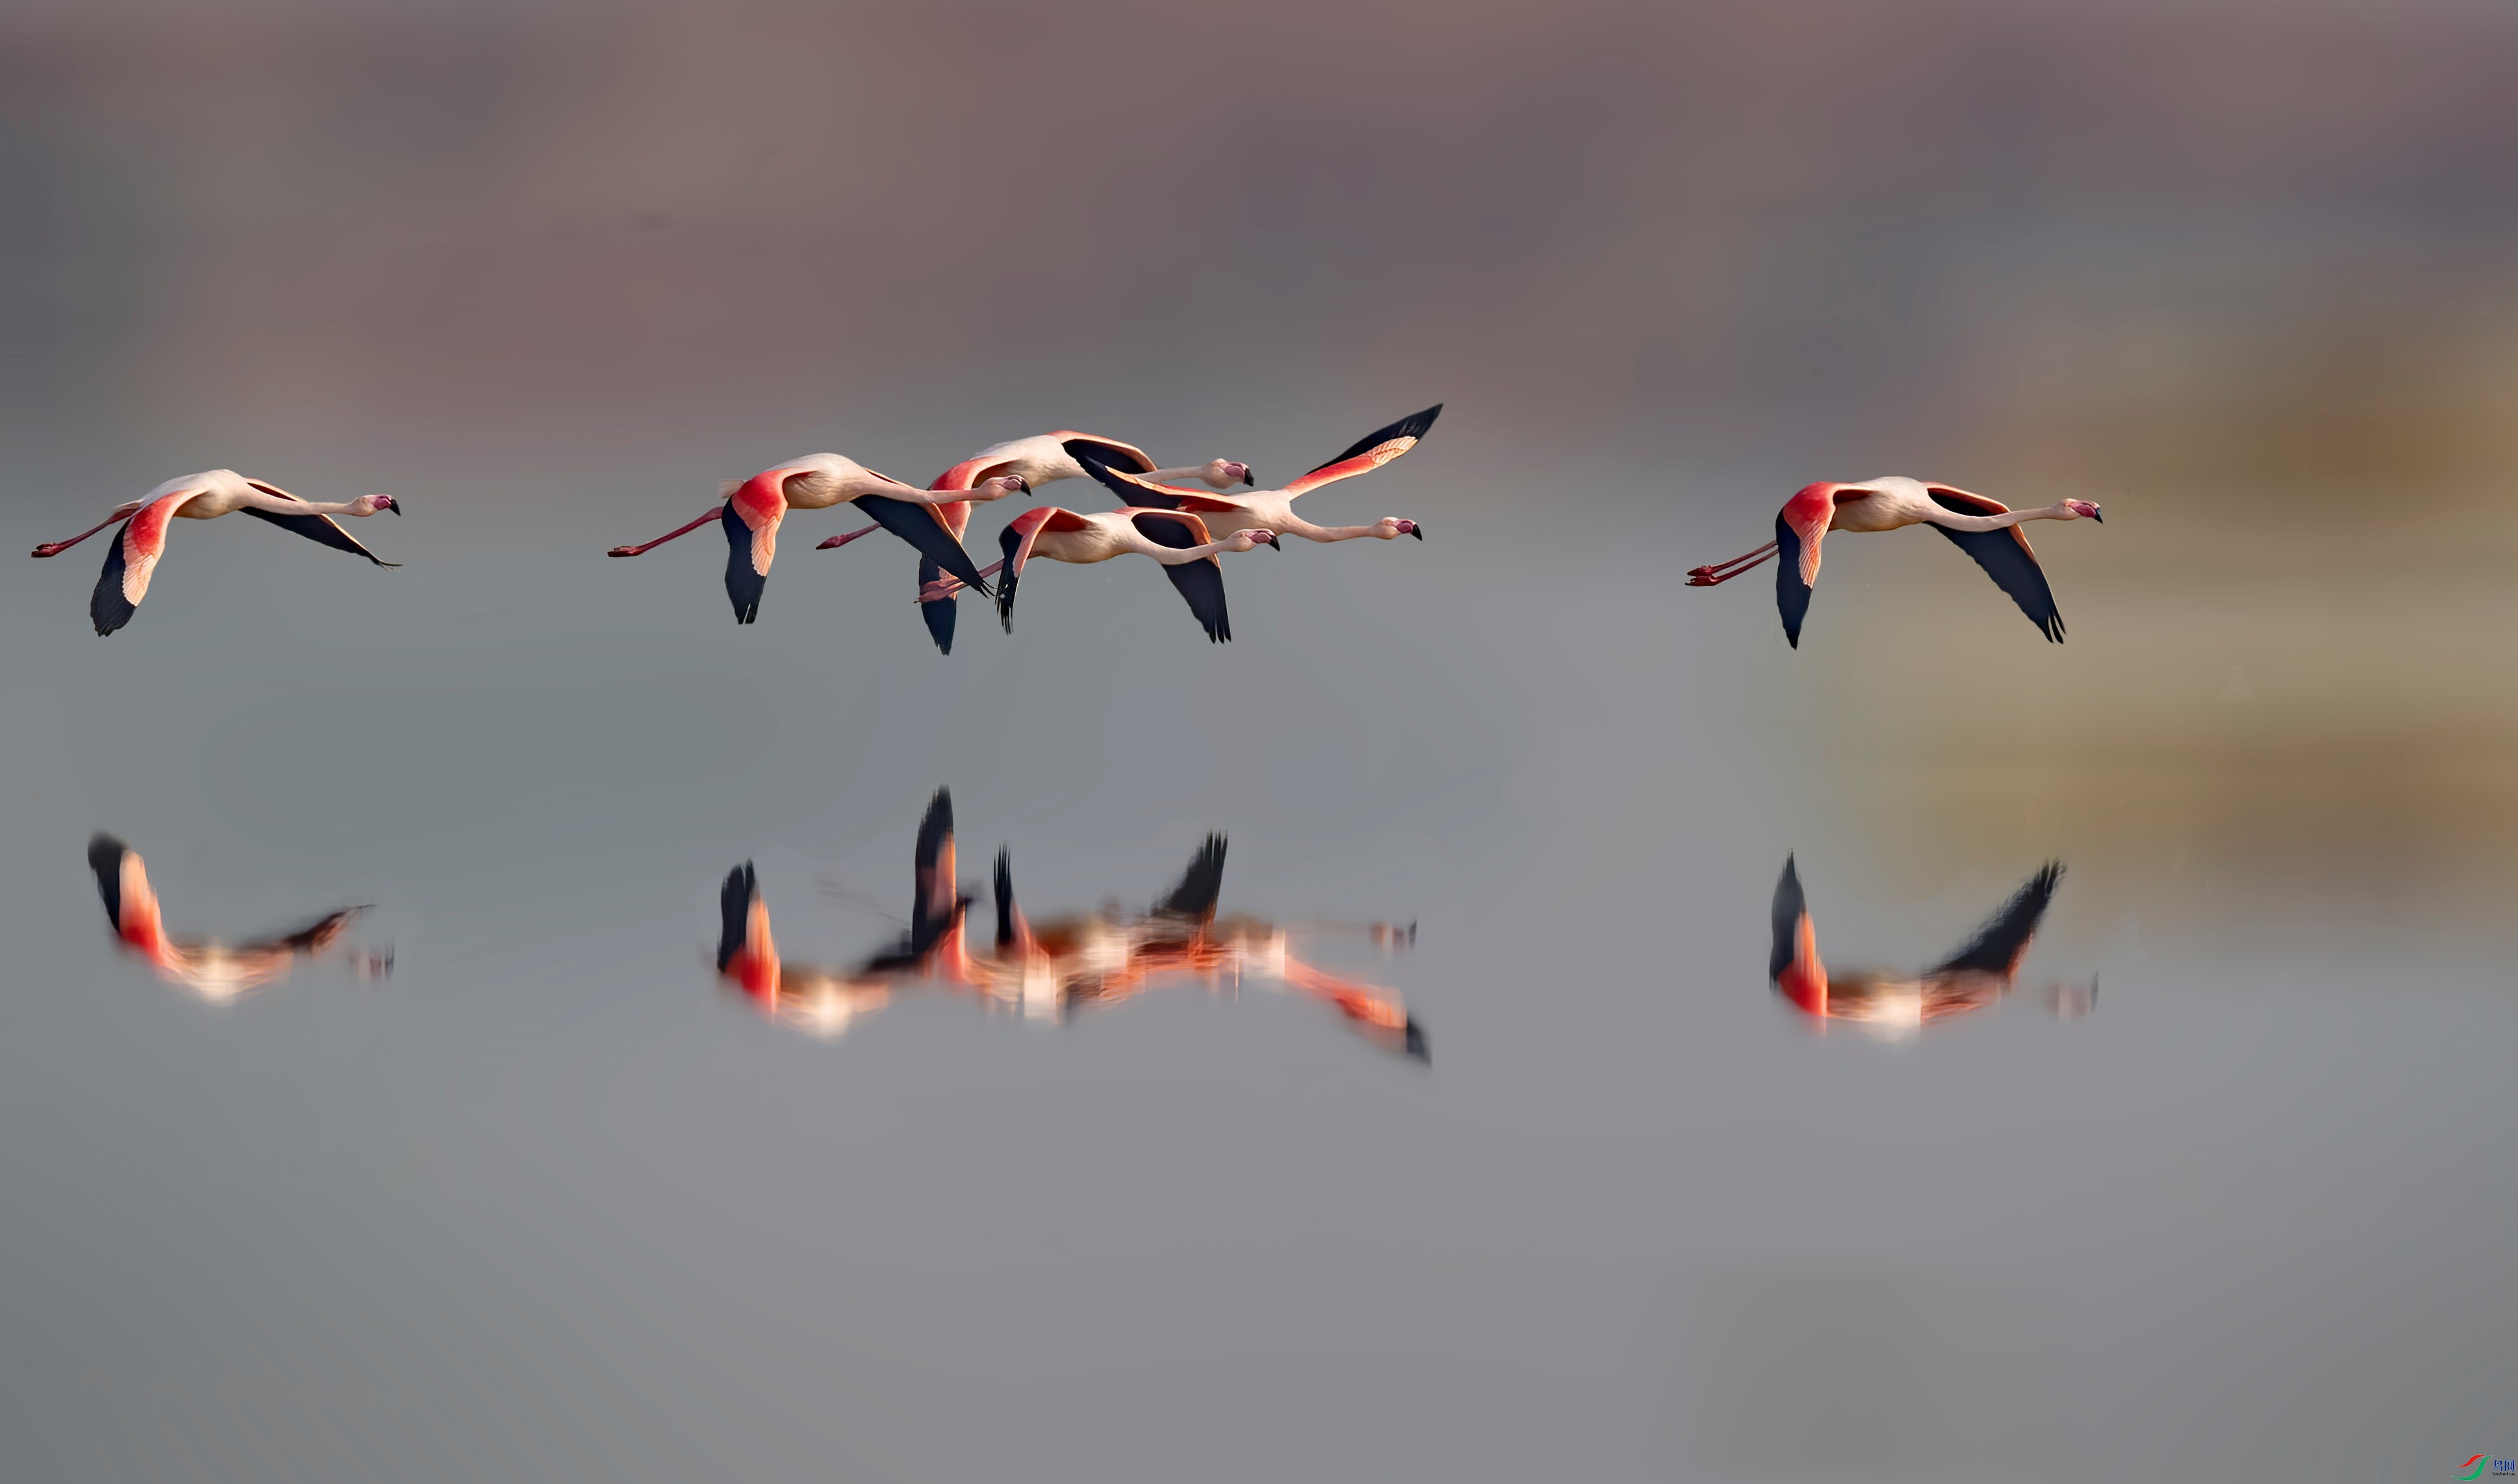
745, 951
1194, 896
1017, 541
315, 528
105, 857
314, 937
1011, 930
1134, 490
939, 612
2006, 556
1793, 961
122, 884
1998, 945
130, 559
1109, 450
1201, 582
1371, 452
923, 527
937, 903
1799, 528
746, 562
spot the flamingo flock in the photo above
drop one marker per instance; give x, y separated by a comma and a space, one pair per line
1169, 523
1185, 530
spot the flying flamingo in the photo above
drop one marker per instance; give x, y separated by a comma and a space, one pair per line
214, 971
751, 510
1984, 529
1036, 461
205, 496
1174, 537
1977, 975
1273, 509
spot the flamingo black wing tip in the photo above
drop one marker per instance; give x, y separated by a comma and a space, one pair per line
734, 909
1413, 425
105, 855
1413, 1044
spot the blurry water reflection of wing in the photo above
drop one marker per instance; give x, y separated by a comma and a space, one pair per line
215, 971
1047, 970
1976, 976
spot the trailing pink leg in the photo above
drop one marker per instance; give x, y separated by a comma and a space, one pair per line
56, 547
1722, 572
714, 512
837, 541
947, 586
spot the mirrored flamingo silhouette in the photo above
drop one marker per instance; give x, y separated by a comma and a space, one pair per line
1976, 976
217, 972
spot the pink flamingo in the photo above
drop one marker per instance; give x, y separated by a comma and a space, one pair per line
1984, 529
1174, 537
751, 510
1273, 509
1036, 461
205, 496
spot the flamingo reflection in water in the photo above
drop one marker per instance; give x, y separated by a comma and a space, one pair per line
1047, 971
822, 1001
1978, 976
217, 972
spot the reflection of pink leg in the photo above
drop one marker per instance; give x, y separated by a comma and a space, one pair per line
1722, 572
714, 513
947, 586
56, 547
837, 541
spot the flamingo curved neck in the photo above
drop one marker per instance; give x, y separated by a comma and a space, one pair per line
258, 499
1954, 521
1297, 526
1173, 557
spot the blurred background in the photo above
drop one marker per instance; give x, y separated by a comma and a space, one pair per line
543, 1207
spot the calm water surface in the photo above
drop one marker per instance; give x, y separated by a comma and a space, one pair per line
544, 1199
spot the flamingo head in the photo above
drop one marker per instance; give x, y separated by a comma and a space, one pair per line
1225, 473
2080, 509
998, 487
1392, 527
368, 504
1243, 541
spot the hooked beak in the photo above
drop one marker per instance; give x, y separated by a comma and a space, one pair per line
1250, 476
1416, 528
396, 508
1273, 545
2095, 515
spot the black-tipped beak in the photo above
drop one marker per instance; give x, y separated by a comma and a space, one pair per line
1250, 476
396, 508
2095, 515
1413, 1043
1416, 528
1274, 545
